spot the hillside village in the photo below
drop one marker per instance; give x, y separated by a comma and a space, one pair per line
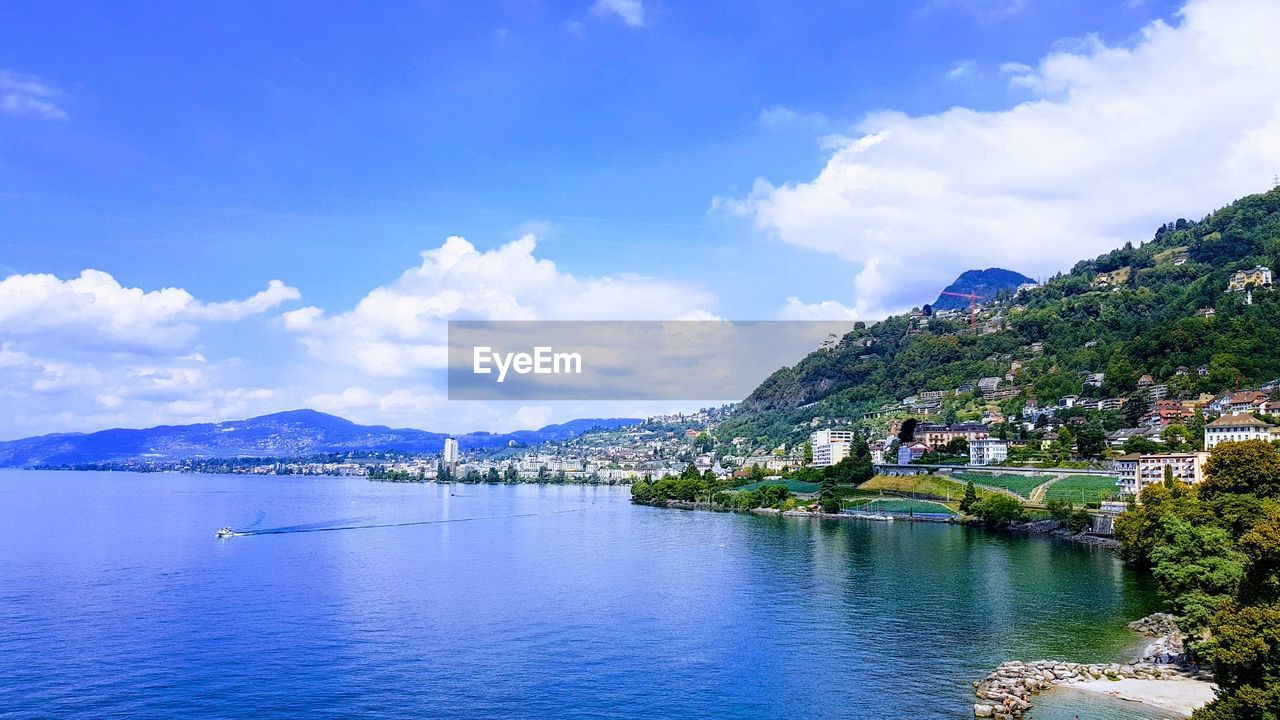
1131, 366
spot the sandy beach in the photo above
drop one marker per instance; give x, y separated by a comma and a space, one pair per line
1179, 695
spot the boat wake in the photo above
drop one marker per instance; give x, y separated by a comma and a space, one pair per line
334, 525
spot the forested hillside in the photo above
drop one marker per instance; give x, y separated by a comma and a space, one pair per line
1146, 309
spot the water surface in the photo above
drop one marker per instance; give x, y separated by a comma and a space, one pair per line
525, 601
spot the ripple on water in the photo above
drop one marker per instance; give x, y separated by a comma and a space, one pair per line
118, 602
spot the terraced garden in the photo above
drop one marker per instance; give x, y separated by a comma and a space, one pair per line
1021, 485
795, 486
900, 505
1081, 489
931, 485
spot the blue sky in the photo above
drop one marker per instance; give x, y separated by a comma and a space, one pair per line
216, 147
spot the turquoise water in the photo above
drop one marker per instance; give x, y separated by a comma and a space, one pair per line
526, 601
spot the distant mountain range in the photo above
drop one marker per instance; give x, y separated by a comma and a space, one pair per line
984, 283
296, 433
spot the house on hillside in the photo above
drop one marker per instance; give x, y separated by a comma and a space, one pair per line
1236, 428
935, 436
909, 453
1242, 280
1247, 401
1117, 438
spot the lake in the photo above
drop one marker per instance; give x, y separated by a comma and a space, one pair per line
386, 600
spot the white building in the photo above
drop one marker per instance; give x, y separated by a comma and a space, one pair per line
830, 446
451, 455
1235, 428
1127, 466
988, 451
1185, 467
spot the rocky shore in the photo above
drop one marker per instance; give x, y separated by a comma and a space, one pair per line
1006, 693
1056, 529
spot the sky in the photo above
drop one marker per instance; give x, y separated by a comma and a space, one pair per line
211, 211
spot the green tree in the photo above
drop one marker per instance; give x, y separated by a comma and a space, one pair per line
641, 491
1198, 567
1091, 440
1142, 446
999, 509
852, 470
1176, 437
829, 495
970, 497
1252, 466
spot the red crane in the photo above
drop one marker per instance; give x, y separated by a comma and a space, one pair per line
973, 307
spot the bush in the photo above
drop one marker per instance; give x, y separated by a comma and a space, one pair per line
999, 510
1064, 511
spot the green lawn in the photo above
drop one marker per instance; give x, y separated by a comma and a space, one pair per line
934, 485
1081, 489
1018, 484
901, 505
795, 486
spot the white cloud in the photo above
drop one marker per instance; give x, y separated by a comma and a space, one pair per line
400, 328
88, 352
24, 95
1115, 141
630, 11
963, 69
94, 310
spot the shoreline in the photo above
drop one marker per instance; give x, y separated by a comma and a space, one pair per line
1030, 528
1159, 678
1182, 696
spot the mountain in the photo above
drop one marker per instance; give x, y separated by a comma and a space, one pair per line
987, 284
1164, 308
296, 433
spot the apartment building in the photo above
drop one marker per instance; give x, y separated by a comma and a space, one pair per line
988, 451
830, 446
1235, 428
1185, 468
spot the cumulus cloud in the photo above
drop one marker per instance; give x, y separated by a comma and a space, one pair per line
630, 11
1113, 141
401, 328
88, 352
94, 310
23, 95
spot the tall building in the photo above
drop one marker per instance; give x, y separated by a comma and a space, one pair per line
451, 451
830, 446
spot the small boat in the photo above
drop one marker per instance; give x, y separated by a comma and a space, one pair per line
226, 532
